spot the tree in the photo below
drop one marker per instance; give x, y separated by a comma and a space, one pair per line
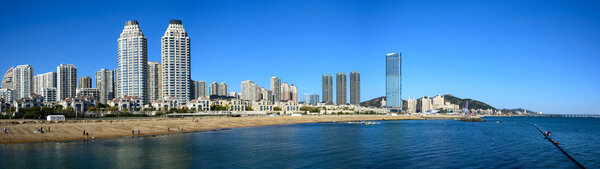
69, 109
276, 109
248, 108
91, 109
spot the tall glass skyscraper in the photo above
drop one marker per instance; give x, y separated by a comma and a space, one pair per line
133, 62
393, 80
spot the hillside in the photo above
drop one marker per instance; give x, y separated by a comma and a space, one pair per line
514, 111
376, 102
473, 104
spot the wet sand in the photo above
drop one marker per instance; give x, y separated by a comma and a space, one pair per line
23, 131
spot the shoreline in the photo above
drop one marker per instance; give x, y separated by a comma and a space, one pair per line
72, 130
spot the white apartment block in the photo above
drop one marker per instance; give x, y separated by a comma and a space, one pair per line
66, 81
133, 62
22, 81
41, 81
176, 64
249, 90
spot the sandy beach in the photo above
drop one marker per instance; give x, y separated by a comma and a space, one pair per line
23, 131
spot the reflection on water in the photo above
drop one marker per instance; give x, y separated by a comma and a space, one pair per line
391, 144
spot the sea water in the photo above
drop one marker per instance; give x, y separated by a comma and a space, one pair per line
388, 144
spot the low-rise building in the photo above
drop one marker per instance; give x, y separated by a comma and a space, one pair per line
288, 106
78, 104
200, 104
261, 105
7, 94
232, 104
33, 100
165, 104
129, 103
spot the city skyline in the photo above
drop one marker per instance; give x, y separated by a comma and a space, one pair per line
515, 72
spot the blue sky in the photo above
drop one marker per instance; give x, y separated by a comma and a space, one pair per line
540, 55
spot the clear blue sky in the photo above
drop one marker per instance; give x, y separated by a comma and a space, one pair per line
541, 55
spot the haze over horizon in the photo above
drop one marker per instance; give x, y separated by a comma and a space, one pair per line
538, 55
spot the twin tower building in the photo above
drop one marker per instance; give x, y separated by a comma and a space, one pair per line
172, 78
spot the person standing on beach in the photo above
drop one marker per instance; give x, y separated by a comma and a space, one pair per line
138, 132
132, 132
84, 132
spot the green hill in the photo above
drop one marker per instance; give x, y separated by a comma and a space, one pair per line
473, 104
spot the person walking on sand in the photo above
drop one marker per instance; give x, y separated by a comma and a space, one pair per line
48, 129
132, 132
5, 131
138, 132
84, 132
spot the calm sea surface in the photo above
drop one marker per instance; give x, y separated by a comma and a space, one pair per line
391, 144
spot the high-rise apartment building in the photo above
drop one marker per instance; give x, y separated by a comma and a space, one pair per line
133, 62
66, 81
105, 83
294, 93
393, 80
49, 94
327, 88
176, 64
437, 102
340, 88
355, 88
90, 92
223, 89
411, 105
154, 81
41, 81
311, 99
22, 81
196, 89
116, 86
266, 95
201, 89
214, 89
425, 104
85, 82
276, 88
249, 90
7, 79
285, 92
